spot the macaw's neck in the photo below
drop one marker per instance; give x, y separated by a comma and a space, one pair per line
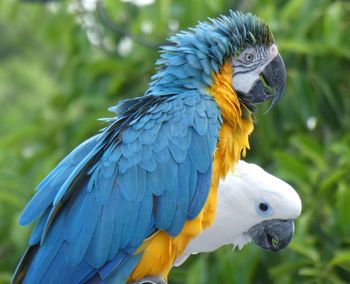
225, 96
237, 122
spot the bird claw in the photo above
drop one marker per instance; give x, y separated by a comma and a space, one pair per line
150, 280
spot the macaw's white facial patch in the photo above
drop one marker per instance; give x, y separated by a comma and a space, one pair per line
249, 64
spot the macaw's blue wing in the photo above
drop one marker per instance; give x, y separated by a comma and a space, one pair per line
148, 170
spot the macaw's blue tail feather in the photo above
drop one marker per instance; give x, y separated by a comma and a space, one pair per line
49, 264
122, 274
78, 252
116, 271
23, 264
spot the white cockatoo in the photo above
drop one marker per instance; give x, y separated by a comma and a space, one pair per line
252, 205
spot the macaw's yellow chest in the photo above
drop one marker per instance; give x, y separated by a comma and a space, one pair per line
234, 132
237, 122
161, 250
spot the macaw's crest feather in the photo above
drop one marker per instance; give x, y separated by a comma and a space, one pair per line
193, 55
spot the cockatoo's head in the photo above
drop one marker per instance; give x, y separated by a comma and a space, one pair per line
252, 205
267, 206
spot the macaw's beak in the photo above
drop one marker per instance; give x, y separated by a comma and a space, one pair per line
272, 234
270, 85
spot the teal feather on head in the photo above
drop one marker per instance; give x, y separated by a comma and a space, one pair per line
246, 30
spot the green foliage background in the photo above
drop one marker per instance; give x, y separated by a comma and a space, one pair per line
60, 68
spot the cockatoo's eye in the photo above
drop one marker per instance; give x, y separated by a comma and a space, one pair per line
249, 57
263, 207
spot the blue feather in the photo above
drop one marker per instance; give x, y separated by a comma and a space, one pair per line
77, 210
146, 152
36, 206
177, 153
47, 252
200, 152
143, 220
130, 135
165, 204
150, 123
133, 157
162, 139
177, 60
207, 79
148, 136
124, 165
39, 228
182, 202
191, 99
132, 184
76, 250
127, 183
200, 194
153, 183
106, 185
108, 169
56, 271
71, 178
164, 107
102, 238
81, 274
163, 156
118, 226
139, 123
110, 266
49, 187
201, 124
192, 179
130, 213
115, 155
183, 142
121, 275
177, 105
215, 65
135, 146
149, 165
213, 112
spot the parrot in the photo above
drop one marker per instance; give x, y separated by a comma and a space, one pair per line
124, 204
252, 205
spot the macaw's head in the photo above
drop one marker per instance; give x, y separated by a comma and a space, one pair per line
243, 41
258, 69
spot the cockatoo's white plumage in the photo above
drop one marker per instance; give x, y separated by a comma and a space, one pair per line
238, 210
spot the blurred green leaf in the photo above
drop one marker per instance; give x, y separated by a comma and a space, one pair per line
341, 257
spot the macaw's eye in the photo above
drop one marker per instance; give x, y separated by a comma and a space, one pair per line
249, 57
263, 207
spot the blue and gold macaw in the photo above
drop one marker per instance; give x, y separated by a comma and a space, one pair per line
124, 204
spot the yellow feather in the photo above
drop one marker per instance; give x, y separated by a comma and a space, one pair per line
161, 250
